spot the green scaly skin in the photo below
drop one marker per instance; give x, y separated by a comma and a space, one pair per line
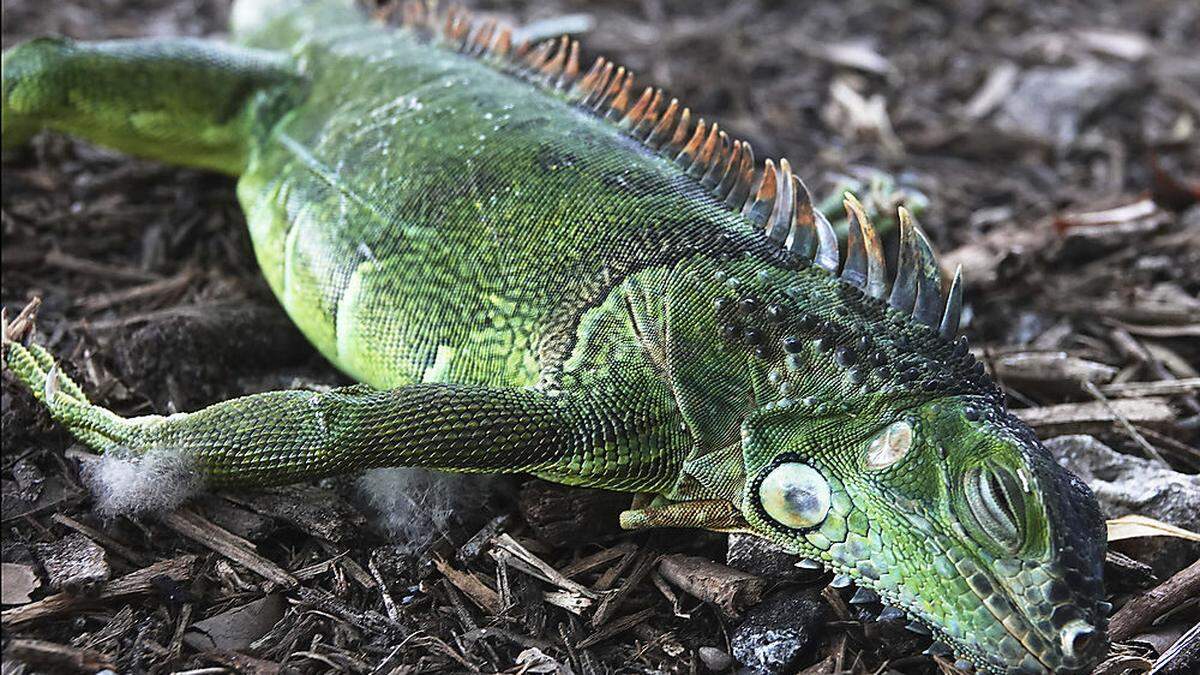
521, 287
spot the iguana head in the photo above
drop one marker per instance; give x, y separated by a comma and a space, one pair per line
948, 509
876, 444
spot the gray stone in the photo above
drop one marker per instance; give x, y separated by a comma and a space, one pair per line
1125, 484
780, 633
756, 555
716, 660
1049, 104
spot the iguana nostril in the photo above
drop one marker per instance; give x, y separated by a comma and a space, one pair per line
1078, 638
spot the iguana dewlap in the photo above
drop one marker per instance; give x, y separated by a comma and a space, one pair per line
536, 267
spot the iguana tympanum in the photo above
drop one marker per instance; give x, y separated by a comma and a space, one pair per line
535, 268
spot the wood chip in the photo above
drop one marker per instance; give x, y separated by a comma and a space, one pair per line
615, 627
598, 559
729, 589
1166, 596
1001, 80
474, 547
237, 628
612, 601
1132, 526
1053, 368
1096, 416
135, 583
73, 563
224, 542
369, 621
52, 657
110, 544
572, 602
531, 564
320, 512
1147, 311
1182, 656
17, 582
480, 593
610, 575
1190, 385
56, 258
240, 663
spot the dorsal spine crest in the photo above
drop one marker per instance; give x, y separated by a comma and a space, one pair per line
772, 199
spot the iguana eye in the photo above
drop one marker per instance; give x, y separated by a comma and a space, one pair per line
890, 446
795, 495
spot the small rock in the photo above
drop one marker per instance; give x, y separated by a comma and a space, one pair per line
753, 554
1125, 484
715, 659
1049, 104
74, 563
781, 632
237, 628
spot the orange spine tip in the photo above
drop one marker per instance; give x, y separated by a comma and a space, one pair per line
503, 44
601, 83
681, 130
714, 165
483, 38
539, 55
552, 65
638, 111
583, 86
709, 149
649, 116
732, 162
766, 189
689, 152
621, 102
663, 128
614, 86
571, 70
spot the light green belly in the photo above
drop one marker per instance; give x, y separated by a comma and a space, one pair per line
388, 312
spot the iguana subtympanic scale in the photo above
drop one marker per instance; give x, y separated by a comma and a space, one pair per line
536, 268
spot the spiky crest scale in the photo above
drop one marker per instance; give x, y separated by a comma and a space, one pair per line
773, 198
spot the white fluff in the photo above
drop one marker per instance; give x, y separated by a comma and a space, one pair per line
412, 506
123, 482
415, 506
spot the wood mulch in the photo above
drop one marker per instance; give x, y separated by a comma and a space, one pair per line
1075, 219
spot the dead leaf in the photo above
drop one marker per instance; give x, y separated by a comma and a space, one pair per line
1134, 526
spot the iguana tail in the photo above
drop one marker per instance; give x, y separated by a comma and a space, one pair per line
178, 100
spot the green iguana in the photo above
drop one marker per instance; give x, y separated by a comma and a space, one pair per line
532, 267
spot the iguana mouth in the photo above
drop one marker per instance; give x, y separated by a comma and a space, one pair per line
1022, 648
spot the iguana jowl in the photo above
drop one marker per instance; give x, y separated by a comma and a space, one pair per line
536, 268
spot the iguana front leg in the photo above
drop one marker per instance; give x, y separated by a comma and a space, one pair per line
287, 436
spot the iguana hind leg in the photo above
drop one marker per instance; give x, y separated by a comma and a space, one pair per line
179, 100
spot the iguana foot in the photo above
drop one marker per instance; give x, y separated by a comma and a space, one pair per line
98, 428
